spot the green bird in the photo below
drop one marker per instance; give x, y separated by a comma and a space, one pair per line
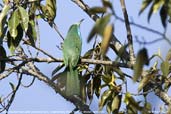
71, 53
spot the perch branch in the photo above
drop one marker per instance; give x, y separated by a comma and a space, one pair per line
50, 60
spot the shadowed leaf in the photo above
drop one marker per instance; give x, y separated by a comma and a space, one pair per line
163, 15
141, 60
2, 56
13, 43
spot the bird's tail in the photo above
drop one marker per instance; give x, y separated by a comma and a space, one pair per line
72, 83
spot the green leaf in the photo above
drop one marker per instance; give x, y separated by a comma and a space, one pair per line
141, 60
105, 96
3, 14
95, 10
144, 5
116, 103
99, 27
2, 56
165, 68
13, 23
24, 18
12, 86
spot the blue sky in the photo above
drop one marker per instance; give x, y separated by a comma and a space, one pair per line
41, 97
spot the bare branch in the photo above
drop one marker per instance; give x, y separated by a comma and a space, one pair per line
89, 61
129, 33
56, 29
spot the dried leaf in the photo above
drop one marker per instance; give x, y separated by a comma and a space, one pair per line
99, 27
106, 38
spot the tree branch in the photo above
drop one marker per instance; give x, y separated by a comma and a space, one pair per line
163, 96
50, 60
129, 33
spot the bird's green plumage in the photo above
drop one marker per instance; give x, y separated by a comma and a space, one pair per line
71, 52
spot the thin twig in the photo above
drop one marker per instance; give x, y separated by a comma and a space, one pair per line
39, 49
56, 29
14, 93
